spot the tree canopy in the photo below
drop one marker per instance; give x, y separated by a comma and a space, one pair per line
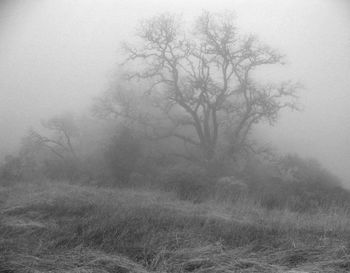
202, 82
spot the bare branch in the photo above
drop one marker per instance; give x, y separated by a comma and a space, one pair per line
204, 81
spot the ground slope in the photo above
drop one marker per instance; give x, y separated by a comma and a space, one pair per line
56, 227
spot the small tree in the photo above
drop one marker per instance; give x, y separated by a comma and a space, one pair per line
63, 129
59, 142
203, 81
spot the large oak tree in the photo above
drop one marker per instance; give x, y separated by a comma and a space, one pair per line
202, 82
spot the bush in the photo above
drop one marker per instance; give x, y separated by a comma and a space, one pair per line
297, 184
188, 182
230, 189
11, 170
273, 195
311, 186
61, 169
122, 155
308, 171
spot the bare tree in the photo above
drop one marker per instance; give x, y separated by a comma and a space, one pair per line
63, 129
203, 81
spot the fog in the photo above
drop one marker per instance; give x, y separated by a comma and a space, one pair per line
58, 55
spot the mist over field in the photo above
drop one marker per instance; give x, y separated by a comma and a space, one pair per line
58, 55
174, 136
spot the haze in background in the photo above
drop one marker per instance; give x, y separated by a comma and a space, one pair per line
57, 55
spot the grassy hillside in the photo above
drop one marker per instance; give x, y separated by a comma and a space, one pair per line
57, 227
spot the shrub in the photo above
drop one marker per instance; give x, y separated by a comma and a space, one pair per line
122, 155
311, 186
273, 194
230, 189
188, 182
308, 171
61, 169
11, 170
297, 184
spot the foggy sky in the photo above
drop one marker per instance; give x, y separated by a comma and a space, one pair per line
56, 55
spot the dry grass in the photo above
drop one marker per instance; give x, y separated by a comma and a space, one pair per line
56, 227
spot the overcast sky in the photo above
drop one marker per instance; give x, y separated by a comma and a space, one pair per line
56, 55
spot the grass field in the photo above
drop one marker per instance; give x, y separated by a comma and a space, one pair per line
58, 227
